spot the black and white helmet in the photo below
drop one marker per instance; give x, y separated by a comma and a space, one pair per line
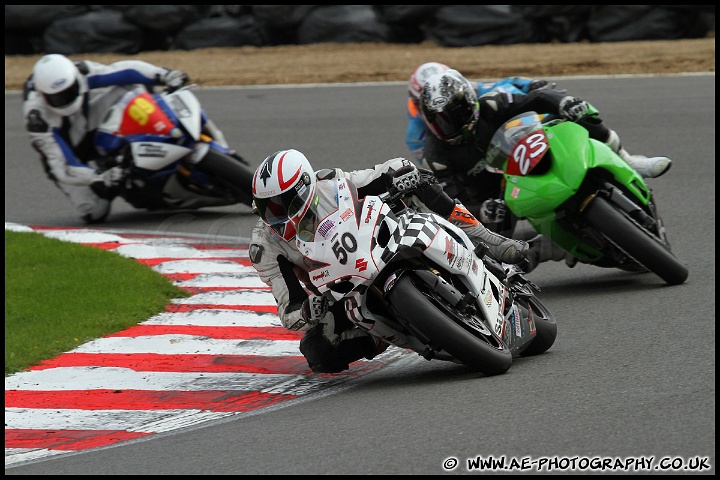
449, 106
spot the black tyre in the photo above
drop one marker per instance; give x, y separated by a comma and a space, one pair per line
463, 336
545, 327
230, 174
635, 241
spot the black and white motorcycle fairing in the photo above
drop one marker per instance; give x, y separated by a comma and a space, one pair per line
418, 282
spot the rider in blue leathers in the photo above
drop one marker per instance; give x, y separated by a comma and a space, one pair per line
462, 126
416, 131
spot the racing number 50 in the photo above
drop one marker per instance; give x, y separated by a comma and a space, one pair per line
346, 243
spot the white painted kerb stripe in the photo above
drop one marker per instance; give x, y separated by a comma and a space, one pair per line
177, 344
230, 297
216, 318
115, 378
127, 420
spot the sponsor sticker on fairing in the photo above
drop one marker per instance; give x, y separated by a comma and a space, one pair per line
326, 228
346, 214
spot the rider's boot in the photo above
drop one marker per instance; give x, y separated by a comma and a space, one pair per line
361, 346
542, 250
647, 167
502, 248
325, 357
93, 203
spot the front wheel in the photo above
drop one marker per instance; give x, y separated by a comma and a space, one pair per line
635, 241
545, 326
461, 334
230, 174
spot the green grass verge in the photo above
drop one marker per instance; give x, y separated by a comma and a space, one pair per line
59, 295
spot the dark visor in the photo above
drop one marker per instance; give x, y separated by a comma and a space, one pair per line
449, 124
274, 210
65, 97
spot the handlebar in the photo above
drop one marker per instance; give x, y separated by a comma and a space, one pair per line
165, 88
393, 194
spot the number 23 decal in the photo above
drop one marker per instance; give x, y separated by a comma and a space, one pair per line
527, 153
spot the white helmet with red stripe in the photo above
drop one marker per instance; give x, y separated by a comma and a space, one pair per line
283, 188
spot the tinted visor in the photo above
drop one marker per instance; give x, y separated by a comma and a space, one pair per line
65, 97
308, 223
448, 125
274, 210
280, 208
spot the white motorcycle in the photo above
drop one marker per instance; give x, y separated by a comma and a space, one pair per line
174, 156
417, 281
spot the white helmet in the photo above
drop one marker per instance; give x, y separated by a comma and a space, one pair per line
58, 80
283, 188
420, 76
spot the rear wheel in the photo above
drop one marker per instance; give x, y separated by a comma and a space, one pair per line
635, 241
461, 334
230, 174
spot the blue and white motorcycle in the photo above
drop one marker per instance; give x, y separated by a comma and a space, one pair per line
175, 157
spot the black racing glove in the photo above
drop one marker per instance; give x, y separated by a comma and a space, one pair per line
573, 108
493, 210
406, 178
314, 309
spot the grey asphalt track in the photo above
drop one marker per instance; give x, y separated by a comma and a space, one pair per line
631, 376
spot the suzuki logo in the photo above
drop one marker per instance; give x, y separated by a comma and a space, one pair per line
448, 247
361, 264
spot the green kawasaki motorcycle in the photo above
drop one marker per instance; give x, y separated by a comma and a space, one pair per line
581, 195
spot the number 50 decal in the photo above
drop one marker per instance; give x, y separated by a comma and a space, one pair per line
347, 243
527, 153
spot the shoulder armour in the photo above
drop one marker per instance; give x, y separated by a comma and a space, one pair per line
325, 174
35, 122
28, 86
494, 100
255, 252
82, 66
